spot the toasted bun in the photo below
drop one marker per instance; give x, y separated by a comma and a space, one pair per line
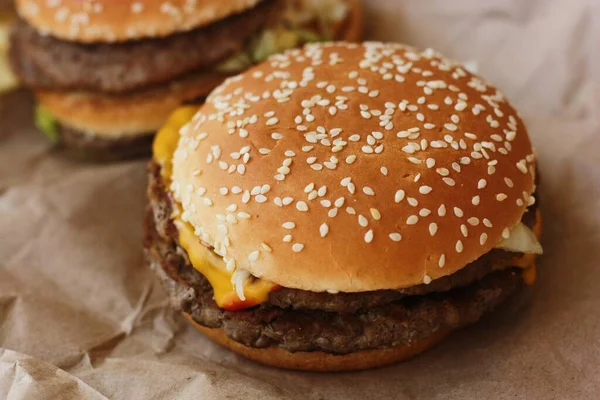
115, 116
319, 361
369, 205
120, 20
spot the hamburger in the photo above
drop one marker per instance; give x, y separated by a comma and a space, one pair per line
343, 206
106, 74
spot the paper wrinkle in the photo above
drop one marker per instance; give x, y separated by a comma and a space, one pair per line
27, 378
166, 325
129, 323
74, 291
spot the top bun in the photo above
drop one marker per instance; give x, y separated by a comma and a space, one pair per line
120, 20
354, 167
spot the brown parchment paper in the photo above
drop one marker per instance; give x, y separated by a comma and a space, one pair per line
80, 316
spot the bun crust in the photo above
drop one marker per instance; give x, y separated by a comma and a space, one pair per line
319, 361
130, 114
112, 21
351, 168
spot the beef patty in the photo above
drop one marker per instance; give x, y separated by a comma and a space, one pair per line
46, 62
298, 320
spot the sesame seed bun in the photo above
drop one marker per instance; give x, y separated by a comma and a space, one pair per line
418, 169
125, 115
319, 361
111, 21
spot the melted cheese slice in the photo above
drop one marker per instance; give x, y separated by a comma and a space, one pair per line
255, 291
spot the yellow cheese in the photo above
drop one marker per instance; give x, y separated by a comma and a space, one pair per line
167, 138
209, 264
213, 268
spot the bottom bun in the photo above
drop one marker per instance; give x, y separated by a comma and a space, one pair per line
116, 116
320, 361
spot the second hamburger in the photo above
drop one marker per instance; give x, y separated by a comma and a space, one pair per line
106, 74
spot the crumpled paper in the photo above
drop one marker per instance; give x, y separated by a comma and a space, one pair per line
81, 317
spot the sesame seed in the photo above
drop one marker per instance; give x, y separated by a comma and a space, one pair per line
426, 279
481, 184
368, 191
459, 246
332, 213
325, 203
323, 229
289, 225
412, 201
301, 206
253, 256
362, 221
442, 261
458, 212
399, 196
425, 189
464, 230
449, 181
412, 220
424, 212
369, 236
505, 233
450, 127
243, 215
266, 247
260, 198
297, 247
375, 214
474, 221
395, 236
483, 238
433, 228
272, 121
501, 197
443, 171
442, 210
522, 167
